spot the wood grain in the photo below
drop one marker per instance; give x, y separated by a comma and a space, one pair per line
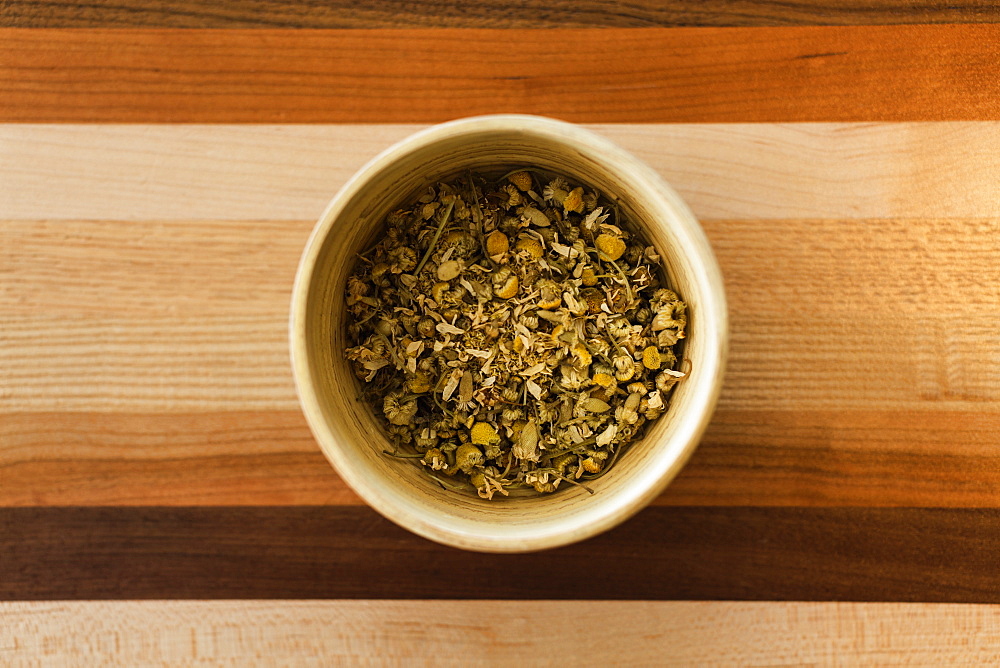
133, 318
804, 554
854, 73
289, 172
135, 355
754, 458
687, 633
175, 459
470, 14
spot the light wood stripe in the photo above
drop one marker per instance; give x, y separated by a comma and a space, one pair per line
826, 315
499, 633
286, 172
853, 73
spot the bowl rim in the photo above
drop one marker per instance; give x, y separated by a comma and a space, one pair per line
712, 324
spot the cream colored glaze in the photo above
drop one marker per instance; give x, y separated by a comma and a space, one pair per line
345, 427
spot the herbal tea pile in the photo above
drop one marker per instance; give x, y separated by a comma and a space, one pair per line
514, 335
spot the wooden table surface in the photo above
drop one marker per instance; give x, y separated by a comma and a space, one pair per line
162, 499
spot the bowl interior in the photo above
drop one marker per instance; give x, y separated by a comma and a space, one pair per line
345, 426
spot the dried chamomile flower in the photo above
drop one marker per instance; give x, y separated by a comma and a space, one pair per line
512, 343
521, 179
574, 201
483, 433
610, 246
505, 283
468, 457
497, 243
397, 411
530, 247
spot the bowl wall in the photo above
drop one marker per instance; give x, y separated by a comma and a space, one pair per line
345, 427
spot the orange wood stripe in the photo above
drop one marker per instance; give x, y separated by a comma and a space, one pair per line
178, 459
859, 73
754, 458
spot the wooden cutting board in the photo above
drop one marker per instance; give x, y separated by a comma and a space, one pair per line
160, 171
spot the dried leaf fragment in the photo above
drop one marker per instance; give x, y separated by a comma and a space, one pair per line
526, 447
449, 270
596, 406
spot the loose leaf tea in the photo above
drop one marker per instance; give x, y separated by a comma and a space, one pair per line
513, 334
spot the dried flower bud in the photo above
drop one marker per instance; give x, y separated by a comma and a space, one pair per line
633, 254
511, 393
396, 412
651, 358
562, 462
497, 243
665, 380
583, 356
426, 327
419, 384
428, 210
439, 291
522, 180
603, 379
434, 459
636, 388
463, 243
468, 456
574, 201
426, 439
513, 196
611, 247
550, 295
593, 298
505, 283
379, 271
511, 415
484, 433
402, 259
530, 246
356, 287
555, 191
624, 367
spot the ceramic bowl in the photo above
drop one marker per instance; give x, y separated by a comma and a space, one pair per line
346, 428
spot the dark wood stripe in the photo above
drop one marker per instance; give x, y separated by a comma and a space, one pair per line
867, 73
842, 554
472, 13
